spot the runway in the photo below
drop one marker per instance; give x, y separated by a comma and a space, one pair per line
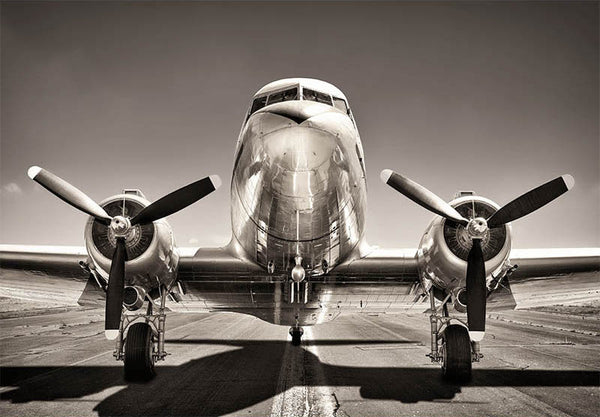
536, 364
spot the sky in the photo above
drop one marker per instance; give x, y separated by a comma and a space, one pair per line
492, 97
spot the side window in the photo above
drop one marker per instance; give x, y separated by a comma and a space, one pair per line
258, 104
316, 96
286, 95
340, 104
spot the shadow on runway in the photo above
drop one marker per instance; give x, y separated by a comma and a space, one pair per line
320, 342
246, 375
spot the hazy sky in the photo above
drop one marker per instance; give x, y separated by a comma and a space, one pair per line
492, 97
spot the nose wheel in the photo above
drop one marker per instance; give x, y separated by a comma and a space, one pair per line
296, 333
451, 345
456, 353
139, 355
141, 341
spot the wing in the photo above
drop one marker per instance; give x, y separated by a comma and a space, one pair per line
537, 263
380, 280
43, 273
222, 279
554, 276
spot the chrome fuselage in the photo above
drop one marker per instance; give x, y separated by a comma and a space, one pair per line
298, 202
298, 187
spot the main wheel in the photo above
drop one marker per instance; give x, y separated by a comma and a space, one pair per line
139, 361
456, 353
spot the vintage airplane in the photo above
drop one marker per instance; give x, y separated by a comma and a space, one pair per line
298, 255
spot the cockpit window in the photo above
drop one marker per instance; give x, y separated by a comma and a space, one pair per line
316, 96
285, 95
258, 104
340, 104
293, 94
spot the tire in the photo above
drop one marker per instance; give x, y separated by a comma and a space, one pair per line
456, 353
296, 338
139, 361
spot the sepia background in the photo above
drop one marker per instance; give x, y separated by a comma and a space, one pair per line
491, 97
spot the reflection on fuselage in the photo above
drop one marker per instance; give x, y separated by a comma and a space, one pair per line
298, 186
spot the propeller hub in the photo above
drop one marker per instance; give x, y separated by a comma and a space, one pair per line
120, 226
477, 228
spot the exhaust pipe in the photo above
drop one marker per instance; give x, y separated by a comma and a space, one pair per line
133, 297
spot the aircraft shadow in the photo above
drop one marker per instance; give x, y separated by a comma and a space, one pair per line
229, 381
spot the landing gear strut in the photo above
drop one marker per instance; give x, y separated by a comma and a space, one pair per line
296, 332
141, 341
450, 343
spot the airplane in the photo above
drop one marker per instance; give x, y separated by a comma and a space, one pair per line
298, 254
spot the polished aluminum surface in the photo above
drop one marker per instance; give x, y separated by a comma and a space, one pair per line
298, 187
157, 264
440, 267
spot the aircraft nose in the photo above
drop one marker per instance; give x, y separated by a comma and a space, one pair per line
299, 149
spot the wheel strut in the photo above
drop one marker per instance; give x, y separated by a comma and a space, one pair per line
156, 324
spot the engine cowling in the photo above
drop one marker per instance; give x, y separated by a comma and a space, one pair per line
151, 256
443, 251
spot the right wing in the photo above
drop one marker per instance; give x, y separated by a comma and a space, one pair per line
45, 273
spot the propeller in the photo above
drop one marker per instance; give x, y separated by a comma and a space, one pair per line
68, 193
476, 291
121, 226
477, 228
422, 196
114, 293
531, 201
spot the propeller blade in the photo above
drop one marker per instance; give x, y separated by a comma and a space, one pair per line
531, 201
476, 292
421, 196
68, 193
177, 200
114, 293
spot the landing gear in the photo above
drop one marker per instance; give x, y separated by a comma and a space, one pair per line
141, 341
456, 353
451, 344
139, 356
296, 333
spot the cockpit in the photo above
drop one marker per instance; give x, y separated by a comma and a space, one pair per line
298, 92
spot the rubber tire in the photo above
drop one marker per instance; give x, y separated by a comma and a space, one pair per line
296, 338
456, 362
139, 362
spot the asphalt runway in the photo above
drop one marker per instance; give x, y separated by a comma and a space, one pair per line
536, 364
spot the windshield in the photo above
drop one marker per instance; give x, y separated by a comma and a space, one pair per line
285, 95
313, 95
340, 104
292, 94
258, 104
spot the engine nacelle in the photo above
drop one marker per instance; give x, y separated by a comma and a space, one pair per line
151, 255
443, 251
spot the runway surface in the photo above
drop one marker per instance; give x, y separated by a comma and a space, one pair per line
536, 364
